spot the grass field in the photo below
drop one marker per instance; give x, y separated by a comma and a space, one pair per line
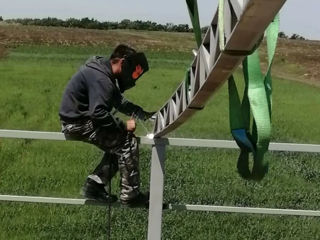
32, 80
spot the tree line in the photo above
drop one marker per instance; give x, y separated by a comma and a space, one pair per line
124, 24
293, 36
95, 24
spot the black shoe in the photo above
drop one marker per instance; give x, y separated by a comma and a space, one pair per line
141, 200
95, 191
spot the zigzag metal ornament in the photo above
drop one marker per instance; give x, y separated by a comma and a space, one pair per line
244, 23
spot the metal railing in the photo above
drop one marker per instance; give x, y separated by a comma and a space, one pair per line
182, 142
157, 178
177, 207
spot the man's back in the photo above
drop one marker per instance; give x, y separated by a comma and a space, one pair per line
89, 93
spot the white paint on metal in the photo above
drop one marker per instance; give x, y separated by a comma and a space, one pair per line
248, 210
177, 207
53, 200
31, 134
156, 192
183, 142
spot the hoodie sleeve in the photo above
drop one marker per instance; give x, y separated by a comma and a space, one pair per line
126, 107
100, 104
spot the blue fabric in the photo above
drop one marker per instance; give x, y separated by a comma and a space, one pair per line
242, 139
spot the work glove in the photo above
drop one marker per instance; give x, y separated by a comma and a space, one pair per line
149, 115
143, 115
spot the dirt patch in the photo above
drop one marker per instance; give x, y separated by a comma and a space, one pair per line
295, 59
305, 55
18, 34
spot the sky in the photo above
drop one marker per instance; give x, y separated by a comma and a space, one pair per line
297, 16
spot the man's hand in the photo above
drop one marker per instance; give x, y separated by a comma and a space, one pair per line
131, 125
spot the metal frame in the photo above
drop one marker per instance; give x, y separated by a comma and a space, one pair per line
244, 23
156, 191
157, 177
176, 207
182, 142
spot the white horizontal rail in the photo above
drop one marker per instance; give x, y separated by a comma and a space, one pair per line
33, 199
226, 209
183, 142
31, 134
178, 207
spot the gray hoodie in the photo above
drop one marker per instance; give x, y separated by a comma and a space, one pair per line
92, 93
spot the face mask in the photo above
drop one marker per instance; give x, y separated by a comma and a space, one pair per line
133, 67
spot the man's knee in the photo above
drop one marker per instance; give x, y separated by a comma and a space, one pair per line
107, 138
80, 130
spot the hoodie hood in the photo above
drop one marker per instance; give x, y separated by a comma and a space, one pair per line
101, 64
134, 66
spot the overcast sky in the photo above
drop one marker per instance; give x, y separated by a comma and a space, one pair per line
297, 16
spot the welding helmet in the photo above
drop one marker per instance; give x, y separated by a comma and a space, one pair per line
133, 67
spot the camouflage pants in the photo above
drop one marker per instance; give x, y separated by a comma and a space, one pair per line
121, 152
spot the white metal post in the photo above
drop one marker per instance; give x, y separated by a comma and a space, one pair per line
156, 191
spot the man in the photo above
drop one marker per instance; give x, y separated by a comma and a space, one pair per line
86, 115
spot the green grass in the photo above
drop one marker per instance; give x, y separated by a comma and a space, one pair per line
32, 82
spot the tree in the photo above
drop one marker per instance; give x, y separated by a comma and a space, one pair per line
124, 24
297, 37
72, 22
282, 35
1, 19
169, 27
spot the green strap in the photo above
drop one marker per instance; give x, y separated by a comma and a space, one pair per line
272, 37
262, 97
261, 115
194, 16
256, 98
